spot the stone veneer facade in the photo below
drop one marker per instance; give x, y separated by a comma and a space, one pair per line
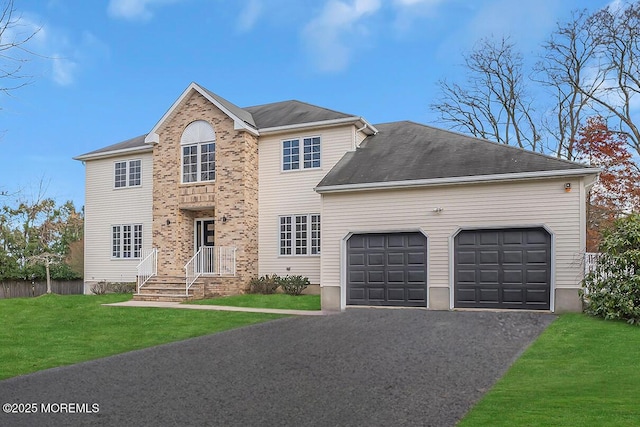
233, 194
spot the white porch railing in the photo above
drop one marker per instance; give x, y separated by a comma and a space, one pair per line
211, 261
148, 267
590, 261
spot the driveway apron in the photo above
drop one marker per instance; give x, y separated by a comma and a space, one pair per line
364, 367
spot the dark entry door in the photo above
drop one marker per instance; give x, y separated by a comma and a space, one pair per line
205, 234
387, 269
503, 268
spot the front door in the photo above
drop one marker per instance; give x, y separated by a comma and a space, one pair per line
204, 233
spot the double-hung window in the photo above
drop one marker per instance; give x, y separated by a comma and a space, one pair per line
126, 241
300, 234
128, 174
198, 152
293, 159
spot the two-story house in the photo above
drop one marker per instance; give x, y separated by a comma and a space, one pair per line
391, 214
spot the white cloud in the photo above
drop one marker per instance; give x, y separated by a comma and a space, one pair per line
249, 15
135, 10
64, 70
332, 36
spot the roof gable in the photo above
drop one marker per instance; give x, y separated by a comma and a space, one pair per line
411, 152
241, 118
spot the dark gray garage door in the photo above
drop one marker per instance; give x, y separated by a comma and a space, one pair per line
387, 269
506, 268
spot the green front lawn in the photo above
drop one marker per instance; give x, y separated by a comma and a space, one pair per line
582, 371
280, 301
55, 330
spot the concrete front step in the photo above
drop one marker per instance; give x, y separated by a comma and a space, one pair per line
162, 297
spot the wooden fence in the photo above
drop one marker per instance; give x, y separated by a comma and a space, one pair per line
29, 289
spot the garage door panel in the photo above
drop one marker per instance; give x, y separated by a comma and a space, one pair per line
537, 257
396, 294
357, 293
416, 258
356, 259
396, 241
416, 294
466, 239
466, 276
512, 257
395, 258
522, 274
539, 296
376, 294
488, 238
394, 266
356, 277
375, 242
375, 259
513, 295
488, 276
513, 238
488, 257
356, 242
375, 277
466, 258
467, 295
416, 240
537, 237
512, 277
416, 276
488, 295
537, 276
396, 276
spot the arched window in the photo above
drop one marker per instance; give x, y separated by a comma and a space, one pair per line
198, 143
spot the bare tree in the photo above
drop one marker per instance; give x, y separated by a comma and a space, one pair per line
14, 37
565, 69
590, 66
494, 103
617, 35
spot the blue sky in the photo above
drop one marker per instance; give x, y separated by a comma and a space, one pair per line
108, 70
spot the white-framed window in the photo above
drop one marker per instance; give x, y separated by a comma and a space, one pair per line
300, 234
127, 173
198, 152
126, 241
291, 156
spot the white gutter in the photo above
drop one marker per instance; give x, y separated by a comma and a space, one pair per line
323, 123
106, 154
454, 180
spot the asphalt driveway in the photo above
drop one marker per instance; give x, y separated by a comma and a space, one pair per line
365, 367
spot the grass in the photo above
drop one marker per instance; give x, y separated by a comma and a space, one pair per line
55, 330
281, 301
582, 371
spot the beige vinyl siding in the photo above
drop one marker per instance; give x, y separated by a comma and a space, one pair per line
290, 193
515, 204
106, 206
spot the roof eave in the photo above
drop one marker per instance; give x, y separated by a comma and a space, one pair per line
478, 179
114, 153
359, 121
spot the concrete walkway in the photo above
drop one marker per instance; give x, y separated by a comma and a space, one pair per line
161, 304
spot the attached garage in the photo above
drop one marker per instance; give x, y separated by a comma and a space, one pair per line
387, 269
503, 269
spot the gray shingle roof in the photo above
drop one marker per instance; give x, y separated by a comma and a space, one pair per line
129, 144
405, 151
244, 115
291, 113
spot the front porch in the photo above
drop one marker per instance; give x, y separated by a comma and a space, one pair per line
210, 272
